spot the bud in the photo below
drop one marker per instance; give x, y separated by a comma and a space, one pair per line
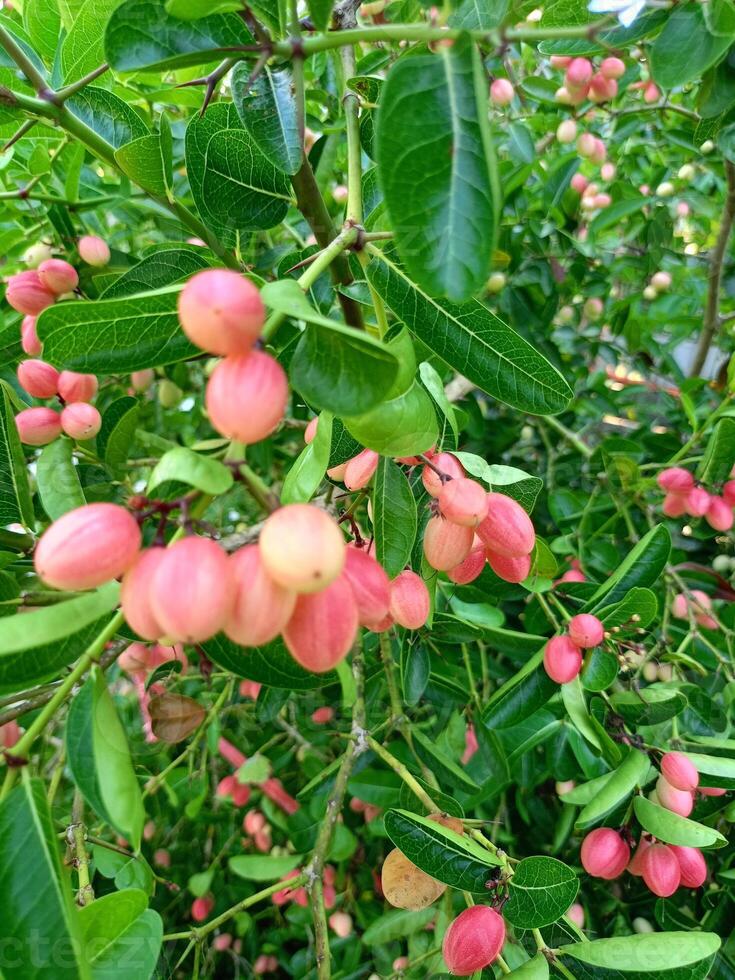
677, 800
675, 504
579, 183
29, 337
38, 426
81, 421
201, 907
73, 387
501, 91
323, 627
509, 569
604, 853
719, 516
679, 771
562, 659
578, 73
262, 606
38, 378
446, 464
407, 887
221, 311
222, 942
675, 479
360, 469
473, 940
341, 924
566, 131
696, 502
87, 547
27, 294
409, 600
507, 530
142, 380
322, 716
585, 630
302, 548
463, 501
93, 250
370, 585
135, 594
192, 590
162, 858
446, 544
472, 566
246, 396
692, 865
661, 871
612, 68
58, 276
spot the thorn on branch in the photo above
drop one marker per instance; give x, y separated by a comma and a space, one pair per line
211, 82
26, 127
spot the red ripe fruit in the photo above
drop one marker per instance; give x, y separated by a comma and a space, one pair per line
29, 337
81, 421
473, 940
463, 501
38, 378
562, 659
677, 800
696, 502
262, 606
201, 908
692, 865
27, 294
409, 600
471, 568
448, 464
661, 870
728, 492
246, 396
38, 426
323, 627
135, 594
87, 546
370, 586
509, 569
635, 866
302, 548
674, 505
507, 530
679, 771
675, 479
446, 544
585, 631
58, 276
192, 590
359, 470
604, 853
578, 74
73, 387
719, 516
221, 311
93, 250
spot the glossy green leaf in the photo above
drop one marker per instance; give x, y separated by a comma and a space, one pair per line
403, 426
82, 50
586, 792
641, 567
396, 924
271, 665
674, 829
307, 472
641, 603
183, 466
685, 49
473, 341
15, 491
436, 169
537, 968
195, 9
617, 787
164, 267
263, 867
143, 160
142, 34
37, 904
415, 671
541, 891
268, 110
394, 517
714, 770
42, 21
57, 480
663, 955
453, 858
108, 115
445, 769
121, 935
117, 433
525, 692
649, 706
719, 456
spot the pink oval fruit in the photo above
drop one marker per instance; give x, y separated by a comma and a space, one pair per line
501, 91
585, 631
728, 490
604, 853
221, 311
446, 544
612, 68
579, 73
409, 600
692, 865
135, 594
675, 478
448, 465
81, 420
509, 569
93, 250
323, 627
73, 387
677, 800
719, 516
696, 502
27, 294
262, 606
201, 908
29, 337
674, 505
38, 378
134, 659
58, 276
370, 585
192, 590
661, 871
360, 469
473, 940
562, 659
463, 501
87, 547
635, 865
142, 380
246, 396
302, 548
679, 771
472, 566
38, 426
507, 530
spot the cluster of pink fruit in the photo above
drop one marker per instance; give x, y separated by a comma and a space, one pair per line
581, 81
221, 312
697, 605
685, 496
563, 653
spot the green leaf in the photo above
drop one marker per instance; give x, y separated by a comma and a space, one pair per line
541, 891
649, 706
719, 456
116, 335
57, 480
638, 602
196, 9
478, 15
714, 770
99, 760
184, 466
403, 426
641, 567
164, 267
108, 115
394, 517
117, 433
35, 898
141, 34
431, 380
236, 189
268, 110
144, 162
673, 829
121, 935
271, 665
525, 692
16, 504
82, 50
305, 476
415, 671
611, 216
662, 955
396, 924
618, 786
436, 168
444, 768
473, 341
42, 21
685, 49
537, 968
263, 867
320, 12
449, 857
34, 646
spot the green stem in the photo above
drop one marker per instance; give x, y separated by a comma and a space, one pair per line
386, 655
85, 892
354, 150
571, 437
416, 788
18, 55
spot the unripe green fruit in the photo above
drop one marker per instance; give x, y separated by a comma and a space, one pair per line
686, 172
665, 189
707, 147
650, 293
641, 925
169, 394
495, 282
36, 254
